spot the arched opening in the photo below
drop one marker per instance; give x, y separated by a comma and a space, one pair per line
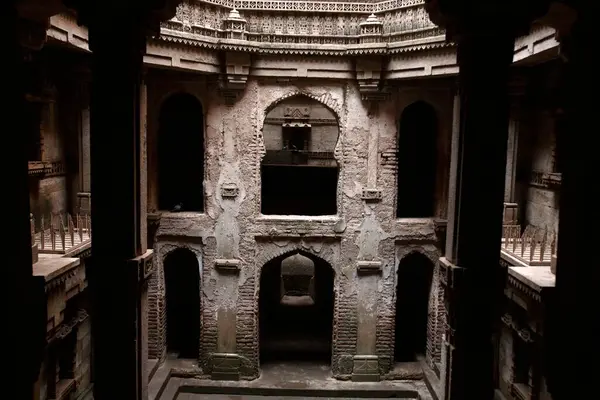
415, 273
296, 309
182, 287
299, 173
417, 161
181, 154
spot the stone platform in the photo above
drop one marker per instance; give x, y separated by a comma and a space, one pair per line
284, 381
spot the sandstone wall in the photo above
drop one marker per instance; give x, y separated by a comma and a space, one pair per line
232, 228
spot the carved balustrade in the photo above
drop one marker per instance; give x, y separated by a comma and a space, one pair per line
533, 247
61, 233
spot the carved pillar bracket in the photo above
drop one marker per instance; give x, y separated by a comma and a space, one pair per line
233, 82
143, 265
369, 267
370, 78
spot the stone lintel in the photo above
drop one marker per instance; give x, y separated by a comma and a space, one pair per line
225, 367
369, 267
227, 265
365, 368
143, 263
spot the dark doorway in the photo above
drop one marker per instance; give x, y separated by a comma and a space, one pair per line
415, 273
296, 309
181, 154
417, 161
182, 287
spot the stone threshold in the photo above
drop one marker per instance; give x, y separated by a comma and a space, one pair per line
282, 380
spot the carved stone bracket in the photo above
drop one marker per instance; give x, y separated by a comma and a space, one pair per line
237, 69
365, 368
229, 190
369, 267
231, 265
143, 264
369, 78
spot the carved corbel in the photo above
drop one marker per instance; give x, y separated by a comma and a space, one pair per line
237, 69
369, 78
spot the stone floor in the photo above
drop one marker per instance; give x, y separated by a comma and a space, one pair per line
278, 381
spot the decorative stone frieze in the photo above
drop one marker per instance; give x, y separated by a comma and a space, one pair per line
237, 69
235, 26
298, 22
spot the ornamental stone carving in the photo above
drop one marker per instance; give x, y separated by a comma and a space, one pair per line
301, 22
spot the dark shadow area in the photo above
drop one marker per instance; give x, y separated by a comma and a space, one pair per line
296, 309
417, 161
182, 287
415, 273
302, 190
181, 154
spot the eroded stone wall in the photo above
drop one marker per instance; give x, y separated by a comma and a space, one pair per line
232, 228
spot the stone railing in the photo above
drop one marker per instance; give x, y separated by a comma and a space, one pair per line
535, 247
61, 233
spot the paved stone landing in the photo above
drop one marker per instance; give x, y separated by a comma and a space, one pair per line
278, 381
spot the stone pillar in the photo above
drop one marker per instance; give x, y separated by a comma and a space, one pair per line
511, 158
577, 278
120, 261
471, 264
24, 305
366, 361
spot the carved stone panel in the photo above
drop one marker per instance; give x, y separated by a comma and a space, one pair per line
229, 190
366, 368
371, 195
225, 366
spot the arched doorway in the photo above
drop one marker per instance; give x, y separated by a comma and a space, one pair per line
417, 161
182, 289
415, 273
181, 154
296, 309
299, 173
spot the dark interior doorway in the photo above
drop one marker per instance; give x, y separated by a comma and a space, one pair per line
415, 274
181, 154
182, 287
296, 309
417, 161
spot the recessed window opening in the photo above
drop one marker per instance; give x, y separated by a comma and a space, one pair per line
299, 173
181, 154
417, 161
